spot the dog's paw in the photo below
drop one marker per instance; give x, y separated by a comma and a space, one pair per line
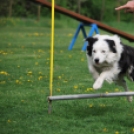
130, 98
97, 85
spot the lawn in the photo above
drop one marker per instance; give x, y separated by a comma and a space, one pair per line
24, 86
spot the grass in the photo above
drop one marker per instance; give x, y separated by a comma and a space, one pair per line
24, 86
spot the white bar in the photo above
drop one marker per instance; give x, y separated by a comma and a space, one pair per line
89, 96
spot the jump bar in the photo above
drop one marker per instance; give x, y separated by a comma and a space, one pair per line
89, 96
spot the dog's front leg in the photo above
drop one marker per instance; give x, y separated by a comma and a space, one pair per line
100, 80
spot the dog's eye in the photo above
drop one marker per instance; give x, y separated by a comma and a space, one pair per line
103, 51
94, 51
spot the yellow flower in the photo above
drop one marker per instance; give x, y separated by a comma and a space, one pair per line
116, 132
59, 77
105, 130
18, 82
116, 90
90, 105
3, 82
58, 89
82, 59
9, 121
36, 63
3, 73
133, 130
36, 34
40, 77
70, 34
75, 87
70, 56
29, 81
40, 72
29, 73
89, 89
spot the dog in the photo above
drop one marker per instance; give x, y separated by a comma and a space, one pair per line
110, 60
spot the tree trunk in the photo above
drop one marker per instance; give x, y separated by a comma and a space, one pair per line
79, 6
102, 10
38, 12
10, 8
118, 12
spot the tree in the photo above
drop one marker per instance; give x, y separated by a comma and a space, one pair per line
38, 12
10, 8
102, 10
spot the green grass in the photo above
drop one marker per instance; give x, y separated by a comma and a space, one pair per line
24, 86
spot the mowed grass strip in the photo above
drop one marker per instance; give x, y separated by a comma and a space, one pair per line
24, 87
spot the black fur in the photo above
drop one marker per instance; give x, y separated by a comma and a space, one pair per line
111, 44
127, 61
91, 41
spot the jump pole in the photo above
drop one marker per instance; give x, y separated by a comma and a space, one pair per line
89, 96
51, 56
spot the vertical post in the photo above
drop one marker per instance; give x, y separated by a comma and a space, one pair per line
75, 37
51, 53
90, 34
83, 31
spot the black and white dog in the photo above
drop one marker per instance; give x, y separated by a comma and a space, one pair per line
109, 60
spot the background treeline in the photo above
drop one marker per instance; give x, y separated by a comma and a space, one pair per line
102, 10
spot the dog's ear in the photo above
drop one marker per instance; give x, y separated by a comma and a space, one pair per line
91, 41
111, 44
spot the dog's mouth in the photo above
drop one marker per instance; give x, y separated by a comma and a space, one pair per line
98, 64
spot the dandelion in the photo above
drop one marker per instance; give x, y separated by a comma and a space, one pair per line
89, 89
102, 105
82, 59
70, 56
65, 81
36, 63
70, 34
116, 132
58, 89
90, 105
133, 130
29, 81
18, 82
9, 121
40, 73
105, 130
29, 73
3, 73
75, 87
116, 90
40, 77
3, 82
36, 34
61, 51
106, 92
59, 77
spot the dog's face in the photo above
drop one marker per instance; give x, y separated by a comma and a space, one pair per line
102, 50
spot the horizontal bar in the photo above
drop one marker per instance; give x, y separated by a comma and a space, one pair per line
89, 96
85, 19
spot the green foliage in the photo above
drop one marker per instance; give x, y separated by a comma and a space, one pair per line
89, 8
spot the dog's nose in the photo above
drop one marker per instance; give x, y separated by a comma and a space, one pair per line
96, 60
